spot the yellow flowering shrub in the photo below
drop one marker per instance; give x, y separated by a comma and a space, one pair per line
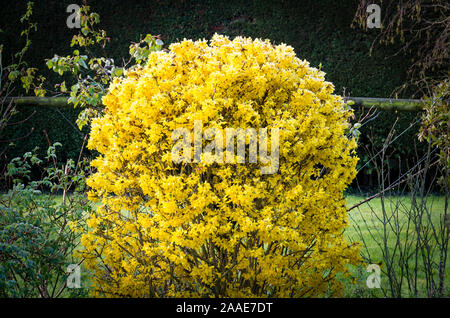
209, 229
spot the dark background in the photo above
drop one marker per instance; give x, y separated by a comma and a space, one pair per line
319, 31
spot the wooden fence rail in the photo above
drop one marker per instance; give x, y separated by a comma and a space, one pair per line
408, 105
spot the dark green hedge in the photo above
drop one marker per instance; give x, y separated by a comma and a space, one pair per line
58, 124
319, 30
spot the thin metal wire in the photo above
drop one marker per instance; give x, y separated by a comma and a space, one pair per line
393, 140
71, 124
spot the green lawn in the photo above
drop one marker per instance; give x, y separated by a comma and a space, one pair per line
366, 226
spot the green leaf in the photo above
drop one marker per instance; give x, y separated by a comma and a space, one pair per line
83, 63
13, 75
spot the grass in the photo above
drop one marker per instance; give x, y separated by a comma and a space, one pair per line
366, 226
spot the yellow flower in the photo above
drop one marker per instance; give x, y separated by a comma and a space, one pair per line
195, 229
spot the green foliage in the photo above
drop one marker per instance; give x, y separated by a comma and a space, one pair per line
92, 75
18, 68
140, 51
90, 82
59, 125
15, 73
436, 127
39, 234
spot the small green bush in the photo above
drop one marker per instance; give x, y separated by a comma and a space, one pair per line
38, 230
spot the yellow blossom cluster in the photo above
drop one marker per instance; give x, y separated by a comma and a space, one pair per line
208, 229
